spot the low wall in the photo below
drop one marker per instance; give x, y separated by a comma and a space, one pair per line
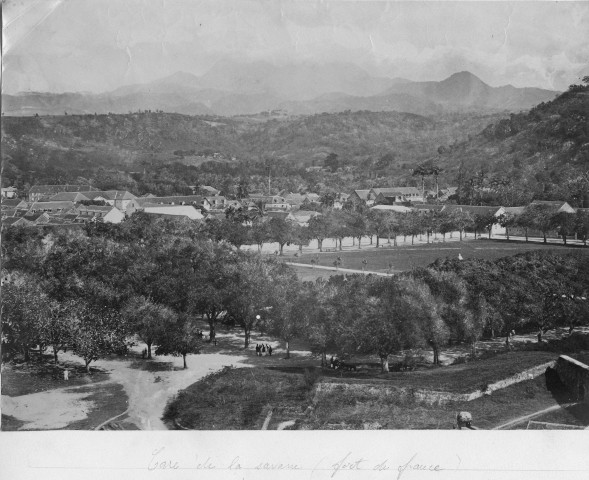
429, 396
575, 375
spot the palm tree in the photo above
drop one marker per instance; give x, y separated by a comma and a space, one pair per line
435, 171
423, 171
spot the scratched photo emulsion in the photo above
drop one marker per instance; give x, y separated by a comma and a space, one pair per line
294, 215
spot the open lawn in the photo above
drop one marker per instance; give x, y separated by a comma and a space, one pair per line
406, 256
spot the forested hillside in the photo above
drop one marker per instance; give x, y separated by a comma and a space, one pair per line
542, 154
106, 149
494, 159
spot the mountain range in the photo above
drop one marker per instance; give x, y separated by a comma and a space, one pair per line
236, 89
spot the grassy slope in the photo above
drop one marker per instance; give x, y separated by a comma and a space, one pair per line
235, 398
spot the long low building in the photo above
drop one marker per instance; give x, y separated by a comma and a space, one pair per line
175, 210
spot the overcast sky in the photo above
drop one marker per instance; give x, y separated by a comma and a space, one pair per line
99, 45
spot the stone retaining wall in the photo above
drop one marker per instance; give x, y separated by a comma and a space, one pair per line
575, 375
430, 396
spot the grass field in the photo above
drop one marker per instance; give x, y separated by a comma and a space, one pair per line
406, 256
238, 398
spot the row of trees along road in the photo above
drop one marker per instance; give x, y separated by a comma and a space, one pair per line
94, 291
335, 225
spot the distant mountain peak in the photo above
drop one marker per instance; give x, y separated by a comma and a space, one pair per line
464, 77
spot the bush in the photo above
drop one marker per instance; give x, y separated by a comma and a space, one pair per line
573, 343
310, 377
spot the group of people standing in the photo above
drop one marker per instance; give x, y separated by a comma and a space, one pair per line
262, 349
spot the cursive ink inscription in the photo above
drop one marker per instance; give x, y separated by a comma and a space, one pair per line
277, 466
415, 466
347, 463
234, 465
157, 462
206, 465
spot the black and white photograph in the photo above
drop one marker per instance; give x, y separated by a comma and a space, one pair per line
294, 215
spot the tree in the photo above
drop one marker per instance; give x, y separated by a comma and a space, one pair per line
321, 322
538, 217
148, 320
378, 318
422, 171
564, 222
58, 325
507, 220
435, 171
485, 221
582, 224
445, 224
250, 292
97, 333
462, 220
301, 236
380, 223
319, 229
332, 162
358, 226
425, 311
24, 307
281, 231
260, 233
209, 290
179, 339
462, 313
288, 308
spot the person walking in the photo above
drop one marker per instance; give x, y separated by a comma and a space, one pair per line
257, 349
270, 350
263, 349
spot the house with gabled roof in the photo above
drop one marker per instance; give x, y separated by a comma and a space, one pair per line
270, 202
37, 218
217, 202
361, 196
40, 192
17, 203
51, 207
99, 213
395, 194
15, 222
204, 190
75, 197
557, 205
445, 193
340, 200
294, 199
302, 217
8, 192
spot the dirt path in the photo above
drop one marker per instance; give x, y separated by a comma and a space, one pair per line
343, 270
523, 418
149, 391
148, 384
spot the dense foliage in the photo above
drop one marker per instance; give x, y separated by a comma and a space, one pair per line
94, 290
